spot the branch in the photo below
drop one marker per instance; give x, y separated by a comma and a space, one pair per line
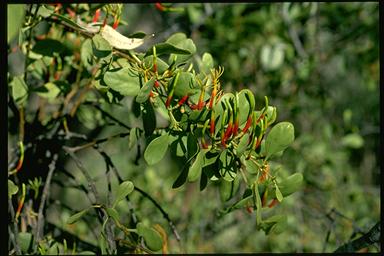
108, 115
40, 218
15, 229
109, 163
92, 186
145, 194
373, 236
95, 142
165, 214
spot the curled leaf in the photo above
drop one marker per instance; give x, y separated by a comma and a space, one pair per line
117, 40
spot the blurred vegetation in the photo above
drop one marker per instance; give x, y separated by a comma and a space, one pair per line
319, 65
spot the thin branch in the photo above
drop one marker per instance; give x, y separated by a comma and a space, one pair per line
40, 218
109, 163
373, 236
108, 115
15, 228
95, 142
145, 194
164, 213
79, 164
92, 186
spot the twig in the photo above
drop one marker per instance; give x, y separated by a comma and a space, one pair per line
109, 163
15, 228
164, 213
40, 218
92, 186
79, 164
108, 115
95, 142
145, 194
373, 236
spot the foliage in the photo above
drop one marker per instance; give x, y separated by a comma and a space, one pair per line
139, 116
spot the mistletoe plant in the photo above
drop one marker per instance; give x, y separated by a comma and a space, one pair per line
222, 136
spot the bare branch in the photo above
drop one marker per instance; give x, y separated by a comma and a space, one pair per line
40, 218
373, 236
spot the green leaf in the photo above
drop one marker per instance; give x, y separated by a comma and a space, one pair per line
48, 47
291, 184
228, 169
15, 17
278, 194
250, 166
149, 118
122, 81
12, 188
197, 166
271, 114
185, 85
352, 140
68, 21
166, 48
44, 11
206, 63
25, 241
244, 106
75, 217
156, 149
192, 145
179, 145
51, 91
124, 189
86, 53
182, 178
161, 65
180, 40
176, 38
228, 188
279, 138
152, 238
19, 90
133, 137
275, 224
101, 47
210, 158
187, 45
113, 214
242, 146
145, 91
256, 195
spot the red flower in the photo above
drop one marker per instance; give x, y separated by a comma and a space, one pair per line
160, 7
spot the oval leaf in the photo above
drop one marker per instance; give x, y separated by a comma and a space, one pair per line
25, 240
12, 188
122, 81
156, 149
113, 214
291, 184
151, 237
145, 91
279, 138
124, 189
166, 48
278, 194
75, 217
195, 169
